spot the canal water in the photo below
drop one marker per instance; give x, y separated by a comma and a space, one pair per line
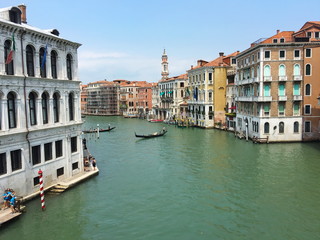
189, 184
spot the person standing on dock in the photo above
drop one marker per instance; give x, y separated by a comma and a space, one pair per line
13, 203
94, 164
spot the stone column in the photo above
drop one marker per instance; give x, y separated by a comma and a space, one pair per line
39, 112
2, 60
50, 113
4, 115
19, 113
36, 65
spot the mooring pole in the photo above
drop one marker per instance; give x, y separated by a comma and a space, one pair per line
43, 206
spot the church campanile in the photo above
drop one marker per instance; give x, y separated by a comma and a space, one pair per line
165, 70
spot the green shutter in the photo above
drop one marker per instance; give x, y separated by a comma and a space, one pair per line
296, 89
281, 107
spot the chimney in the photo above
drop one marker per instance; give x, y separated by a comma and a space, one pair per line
24, 13
278, 31
221, 58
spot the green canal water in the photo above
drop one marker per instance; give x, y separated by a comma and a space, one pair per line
189, 184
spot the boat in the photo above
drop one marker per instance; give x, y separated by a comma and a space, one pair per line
100, 130
152, 135
155, 120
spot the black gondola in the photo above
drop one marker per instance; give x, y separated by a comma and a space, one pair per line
100, 130
152, 135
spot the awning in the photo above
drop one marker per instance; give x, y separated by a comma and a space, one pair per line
234, 107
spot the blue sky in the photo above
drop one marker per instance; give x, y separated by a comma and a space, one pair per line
124, 39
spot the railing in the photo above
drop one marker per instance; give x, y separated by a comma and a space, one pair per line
282, 78
297, 98
267, 78
244, 99
282, 98
297, 77
262, 99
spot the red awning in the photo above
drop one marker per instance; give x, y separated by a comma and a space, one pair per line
234, 107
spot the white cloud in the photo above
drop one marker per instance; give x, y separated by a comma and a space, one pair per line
95, 66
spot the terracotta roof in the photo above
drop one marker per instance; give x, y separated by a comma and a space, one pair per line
216, 63
101, 82
309, 24
133, 83
182, 76
232, 54
287, 35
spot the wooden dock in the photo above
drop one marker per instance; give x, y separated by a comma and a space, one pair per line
6, 215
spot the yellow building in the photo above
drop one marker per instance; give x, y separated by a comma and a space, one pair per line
207, 85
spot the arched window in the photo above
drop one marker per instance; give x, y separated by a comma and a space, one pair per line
32, 108
308, 70
54, 64
56, 107
296, 70
281, 90
44, 103
308, 89
267, 71
266, 128
296, 127
282, 70
71, 107
266, 90
9, 66
12, 110
69, 67
42, 62
296, 89
281, 127
30, 62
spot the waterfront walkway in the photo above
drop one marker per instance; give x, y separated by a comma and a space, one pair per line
6, 215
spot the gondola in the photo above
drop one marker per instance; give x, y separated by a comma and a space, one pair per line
100, 130
152, 135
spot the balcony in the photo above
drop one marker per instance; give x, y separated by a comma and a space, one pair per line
249, 80
297, 98
297, 78
262, 99
282, 98
282, 78
244, 99
267, 78
199, 102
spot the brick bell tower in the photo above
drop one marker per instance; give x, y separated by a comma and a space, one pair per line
165, 70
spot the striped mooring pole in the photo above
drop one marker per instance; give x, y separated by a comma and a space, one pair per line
43, 206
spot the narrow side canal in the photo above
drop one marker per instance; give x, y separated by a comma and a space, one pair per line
189, 184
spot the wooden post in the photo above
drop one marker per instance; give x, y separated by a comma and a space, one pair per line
43, 206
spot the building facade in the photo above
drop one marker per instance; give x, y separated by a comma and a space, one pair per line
180, 97
207, 85
40, 105
144, 100
274, 77
103, 98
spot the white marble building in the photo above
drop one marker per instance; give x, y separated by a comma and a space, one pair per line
40, 118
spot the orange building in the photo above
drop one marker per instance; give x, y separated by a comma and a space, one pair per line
144, 100
84, 99
129, 97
